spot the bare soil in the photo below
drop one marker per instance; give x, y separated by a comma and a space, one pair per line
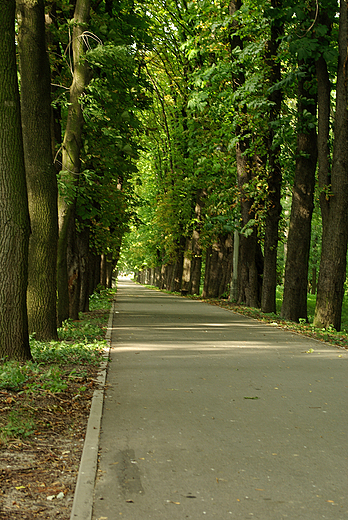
38, 474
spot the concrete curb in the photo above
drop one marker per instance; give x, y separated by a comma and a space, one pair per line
83, 496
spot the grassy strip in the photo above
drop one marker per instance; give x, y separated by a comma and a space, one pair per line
57, 366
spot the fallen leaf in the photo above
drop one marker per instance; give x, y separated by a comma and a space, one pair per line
20, 487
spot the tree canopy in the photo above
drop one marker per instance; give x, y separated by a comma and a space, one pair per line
185, 135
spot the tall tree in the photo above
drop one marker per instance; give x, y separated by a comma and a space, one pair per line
14, 214
299, 239
274, 176
250, 256
334, 200
40, 172
68, 260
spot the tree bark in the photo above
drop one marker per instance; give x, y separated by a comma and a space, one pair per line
274, 178
234, 281
14, 214
68, 274
186, 269
40, 172
196, 250
196, 264
178, 265
332, 271
86, 278
109, 270
249, 290
102, 280
299, 239
218, 267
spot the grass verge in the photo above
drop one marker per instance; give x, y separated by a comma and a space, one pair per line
59, 369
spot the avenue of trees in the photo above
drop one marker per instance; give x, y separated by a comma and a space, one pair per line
243, 172
204, 142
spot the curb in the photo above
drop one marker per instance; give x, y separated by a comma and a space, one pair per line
83, 497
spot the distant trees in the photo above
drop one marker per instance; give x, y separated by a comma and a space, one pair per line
89, 134
228, 79
180, 131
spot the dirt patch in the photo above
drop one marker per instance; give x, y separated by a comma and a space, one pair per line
38, 473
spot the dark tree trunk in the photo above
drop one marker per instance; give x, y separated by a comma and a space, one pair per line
85, 275
178, 266
157, 276
196, 255
40, 172
94, 272
73, 263
218, 268
249, 291
196, 264
332, 271
109, 267
102, 280
169, 274
274, 178
299, 238
250, 269
71, 163
186, 268
14, 214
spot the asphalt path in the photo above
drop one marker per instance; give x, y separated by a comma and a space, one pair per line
209, 414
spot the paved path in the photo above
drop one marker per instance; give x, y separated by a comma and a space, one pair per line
209, 414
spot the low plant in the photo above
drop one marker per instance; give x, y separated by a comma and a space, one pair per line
19, 424
13, 375
57, 366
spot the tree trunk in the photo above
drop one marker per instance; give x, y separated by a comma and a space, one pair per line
196, 255
40, 172
196, 264
250, 269
14, 214
102, 280
156, 276
73, 261
71, 162
218, 268
332, 271
249, 291
299, 238
178, 266
274, 178
85, 275
94, 272
109, 270
234, 281
186, 269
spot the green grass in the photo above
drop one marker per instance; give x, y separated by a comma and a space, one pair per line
311, 300
56, 365
60, 366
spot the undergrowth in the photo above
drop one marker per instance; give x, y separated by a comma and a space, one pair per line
56, 364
